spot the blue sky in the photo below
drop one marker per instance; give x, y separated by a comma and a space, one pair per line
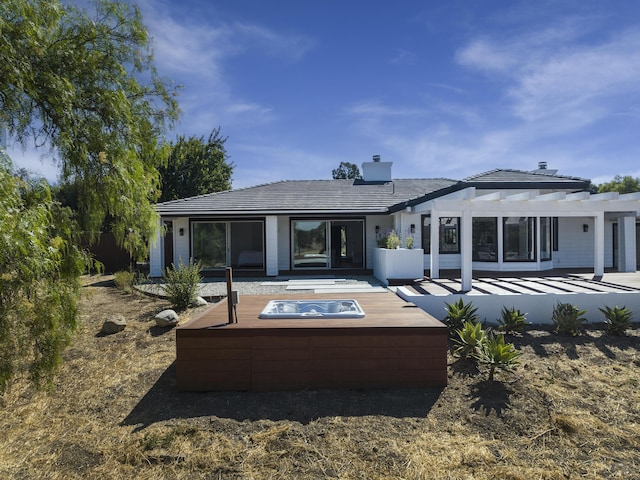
442, 89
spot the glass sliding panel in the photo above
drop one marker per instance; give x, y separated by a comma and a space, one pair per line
247, 245
210, 244
347, 244
449, 234
310, 244
485, 233
545, 238
519, 239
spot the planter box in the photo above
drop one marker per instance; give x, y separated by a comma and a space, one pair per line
399, 264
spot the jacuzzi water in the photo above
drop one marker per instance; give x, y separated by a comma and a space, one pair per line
312, 309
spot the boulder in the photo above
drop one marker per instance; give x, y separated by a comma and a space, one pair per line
114, 324
167, 318
199, 302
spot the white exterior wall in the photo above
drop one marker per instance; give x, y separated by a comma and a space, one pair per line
575, 247
180, 243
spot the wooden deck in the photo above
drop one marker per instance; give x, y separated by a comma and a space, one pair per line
395, 345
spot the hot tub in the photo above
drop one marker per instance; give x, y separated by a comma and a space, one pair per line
312, 309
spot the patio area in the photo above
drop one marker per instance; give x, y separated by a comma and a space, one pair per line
533, 292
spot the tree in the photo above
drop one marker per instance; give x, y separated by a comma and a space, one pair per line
196, 167
39, 271
620, 184
73, 82
346, 170
84, 86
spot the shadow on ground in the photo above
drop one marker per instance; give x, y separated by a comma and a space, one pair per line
163, 402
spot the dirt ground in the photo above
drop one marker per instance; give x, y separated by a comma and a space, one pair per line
571, 410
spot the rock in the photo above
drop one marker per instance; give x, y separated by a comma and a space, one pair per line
167, 318
199, 302
114, 324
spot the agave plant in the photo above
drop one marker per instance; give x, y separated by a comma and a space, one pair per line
470, 338
617, 319
495, 353
512, 321
459, 312
568, 318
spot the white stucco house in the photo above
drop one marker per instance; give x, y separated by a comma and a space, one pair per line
502, 220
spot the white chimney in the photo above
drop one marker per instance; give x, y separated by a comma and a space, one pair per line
376, 171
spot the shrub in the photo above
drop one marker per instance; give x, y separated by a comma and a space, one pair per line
459, 312
470, 338
617, 319
124, 280
393, 240
181, 284
495, 353
568, 318
512, 321
409, 242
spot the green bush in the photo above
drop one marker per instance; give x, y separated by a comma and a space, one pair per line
459, 312
617, 319
470, 338
181, 284
124, 280
568, 318
512, 321
494, 353
409, 242
393, 240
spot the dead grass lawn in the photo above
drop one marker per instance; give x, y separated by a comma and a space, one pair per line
571, 411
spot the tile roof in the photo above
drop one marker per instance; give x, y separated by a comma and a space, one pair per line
508, 175
350, 196
306, 196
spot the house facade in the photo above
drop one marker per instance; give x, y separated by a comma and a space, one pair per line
502, 220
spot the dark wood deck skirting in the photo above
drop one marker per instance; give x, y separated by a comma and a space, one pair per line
395, 345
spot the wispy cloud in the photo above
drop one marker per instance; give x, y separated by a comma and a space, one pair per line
403, 57
196, 52
554, 74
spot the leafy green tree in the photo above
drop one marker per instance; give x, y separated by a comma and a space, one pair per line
85, 85
39, 278
621, 184
346, 170
196, 167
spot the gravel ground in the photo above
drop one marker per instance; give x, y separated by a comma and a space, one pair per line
213, 288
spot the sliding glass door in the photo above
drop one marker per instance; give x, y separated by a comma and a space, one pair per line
238, 244
323, 244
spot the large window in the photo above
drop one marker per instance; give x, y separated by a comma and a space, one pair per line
327, 243
519, 239
238, 244
449, 234
545, 238
485, 236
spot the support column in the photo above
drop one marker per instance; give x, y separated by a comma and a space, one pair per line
434, 256
271, 246
598, 269
466, 248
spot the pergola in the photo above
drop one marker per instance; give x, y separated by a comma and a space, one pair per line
467, 204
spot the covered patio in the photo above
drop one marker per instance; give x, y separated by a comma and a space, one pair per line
526, 229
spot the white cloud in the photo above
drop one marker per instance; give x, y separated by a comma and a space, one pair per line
195, 52
556, 76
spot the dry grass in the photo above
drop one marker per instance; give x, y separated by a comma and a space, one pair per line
571, 411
